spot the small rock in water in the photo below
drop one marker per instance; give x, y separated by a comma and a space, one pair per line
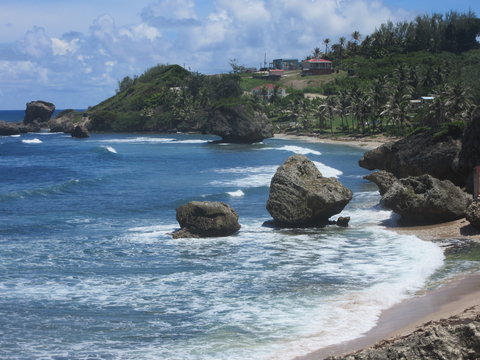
343, 221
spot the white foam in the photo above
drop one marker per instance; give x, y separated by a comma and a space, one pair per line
140, 140
296, 149
251, 176
17, 135
32, 141
193, 141
110, 149
326, 170
238, 193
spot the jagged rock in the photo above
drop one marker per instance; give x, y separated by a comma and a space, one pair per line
80, 131
457, 337
239, 124
38, 111
8, 128
343, 221
383, 179
206, 219
419, 154
66, 121
426, 199
470, 153
473, 214
301, 196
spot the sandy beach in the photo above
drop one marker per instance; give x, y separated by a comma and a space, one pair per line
460, 294
367, 142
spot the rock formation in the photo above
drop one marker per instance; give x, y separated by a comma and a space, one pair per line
301, 196
473, 214
419, 154
426, 199
239, 124
38, 111
470, 153
8, 128
454, 338
80, 131
206, 219
383, 179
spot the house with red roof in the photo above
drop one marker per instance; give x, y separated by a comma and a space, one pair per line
316, 67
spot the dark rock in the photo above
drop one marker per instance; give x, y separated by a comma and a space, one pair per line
80, 131
301, 196
239, 124
206, 219
473, 214
426, 199
39, 111
8, 128
383, 179
456, 337
343, 221
470, 153
418, 154
64, 122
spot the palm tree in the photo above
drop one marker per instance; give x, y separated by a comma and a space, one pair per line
356, 36
326, 42
317, 53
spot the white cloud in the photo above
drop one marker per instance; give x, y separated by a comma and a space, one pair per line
172, 31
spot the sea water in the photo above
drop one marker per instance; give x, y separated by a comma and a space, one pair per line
88, 268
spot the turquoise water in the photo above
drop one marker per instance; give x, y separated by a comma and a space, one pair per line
88, 270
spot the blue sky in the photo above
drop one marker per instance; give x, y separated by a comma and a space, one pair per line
73, 53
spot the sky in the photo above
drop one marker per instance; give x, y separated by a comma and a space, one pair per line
74, 52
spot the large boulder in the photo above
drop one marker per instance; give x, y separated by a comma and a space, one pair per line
473, 214
418, 154
383, 179
80, 131
426, 199
239, 124
301, 196
469, 156
38, 111
206, 219
9, 128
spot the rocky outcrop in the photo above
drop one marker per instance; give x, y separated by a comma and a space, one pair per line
8, 128
457, 337
38, 111
239, 124
470, 153
473, 214
383, 179
301, 196
206, 219
64, 122
80, 131
424, 153
426, 199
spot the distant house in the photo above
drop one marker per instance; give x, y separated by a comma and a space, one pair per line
316, 67
286, 64
275, 74
268, 90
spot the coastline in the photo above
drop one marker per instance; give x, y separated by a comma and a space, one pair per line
451, 299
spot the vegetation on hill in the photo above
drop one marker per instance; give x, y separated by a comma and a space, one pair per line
165, 98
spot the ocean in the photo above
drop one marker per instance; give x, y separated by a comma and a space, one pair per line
88, 268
